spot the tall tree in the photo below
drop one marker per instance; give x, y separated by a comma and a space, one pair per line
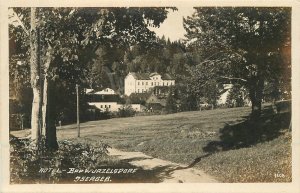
242, 44
69, 36
35, 66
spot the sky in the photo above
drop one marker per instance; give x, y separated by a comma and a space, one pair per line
172, 27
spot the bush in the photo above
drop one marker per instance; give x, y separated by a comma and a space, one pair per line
97, 114
126, 111
26, 161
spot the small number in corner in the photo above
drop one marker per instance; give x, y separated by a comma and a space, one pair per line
279, 175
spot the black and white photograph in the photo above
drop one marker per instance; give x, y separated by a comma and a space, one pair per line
150, 94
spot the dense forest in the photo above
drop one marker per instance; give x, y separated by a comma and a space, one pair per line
111, 64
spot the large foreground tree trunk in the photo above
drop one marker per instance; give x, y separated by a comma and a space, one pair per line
48, 129
36, 121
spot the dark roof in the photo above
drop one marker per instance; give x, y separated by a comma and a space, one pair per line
153, 74
146, 76
102, 98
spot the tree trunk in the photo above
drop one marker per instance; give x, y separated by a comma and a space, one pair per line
45, 103
45, 88
256, 108
256, 95
48, 129
35, 77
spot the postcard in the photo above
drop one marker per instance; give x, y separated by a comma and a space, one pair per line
150, 96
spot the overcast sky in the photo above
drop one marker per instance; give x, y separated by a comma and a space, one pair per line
173, 26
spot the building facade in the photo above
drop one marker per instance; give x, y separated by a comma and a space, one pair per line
106, 106
108, 100
142, 82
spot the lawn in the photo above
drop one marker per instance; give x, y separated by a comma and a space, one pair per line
225, 143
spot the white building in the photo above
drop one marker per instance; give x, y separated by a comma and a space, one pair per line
223, 97
107, 91
114, 106
108, 100
142, 82
106, 106
138, 107
89, 90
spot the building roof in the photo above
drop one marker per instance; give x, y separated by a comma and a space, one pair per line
89, 90
102, 98
154, 74
146, 76
106, 91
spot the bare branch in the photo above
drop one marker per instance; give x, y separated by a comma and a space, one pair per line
234, 78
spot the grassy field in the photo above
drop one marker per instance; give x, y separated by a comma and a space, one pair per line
225, 143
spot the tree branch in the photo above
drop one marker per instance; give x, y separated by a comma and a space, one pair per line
234, 78
20, 22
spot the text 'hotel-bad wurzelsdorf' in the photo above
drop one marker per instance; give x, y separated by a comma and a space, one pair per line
142, 82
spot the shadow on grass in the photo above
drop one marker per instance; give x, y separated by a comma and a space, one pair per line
250, 132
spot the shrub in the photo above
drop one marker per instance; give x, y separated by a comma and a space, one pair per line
126, 111
26, 161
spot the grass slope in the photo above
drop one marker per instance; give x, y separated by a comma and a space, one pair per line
225, 143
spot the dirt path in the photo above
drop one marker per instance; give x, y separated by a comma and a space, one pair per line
166, 171
169, 172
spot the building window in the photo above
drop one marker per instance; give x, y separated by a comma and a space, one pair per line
146, 83
138, 83
167, 84
151, 83
101, 106
105, 106
138, 90
109, 106
142, 90
142, 83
